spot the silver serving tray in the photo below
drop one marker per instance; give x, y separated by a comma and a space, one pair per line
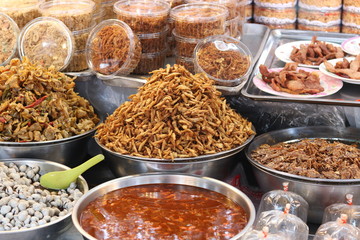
347, 96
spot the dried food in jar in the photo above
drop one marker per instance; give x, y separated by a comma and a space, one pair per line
185, 46
276, 3
319, 18
199, 20
150, 61
9, 32
47, 42
350, 19
98, 17
282, 26
234, 27
329, 159
21, 11
349, 29
274, 15
78, 62
333, 28
345, 68
81, 37
249, 9
327, 5
113, 48
231, 5
40, 104
223, 59
171, 46
108, 8
351, 6
153, 42
143, 16
174, 115
187, 62
174, 3
76, 15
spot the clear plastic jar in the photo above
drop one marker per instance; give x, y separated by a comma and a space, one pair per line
184, 47
153, 42
328, 5
21, 11
319, 19
98, 16
199, 20
80, 38
47, 42
350, 19
276, 3
231, 5
234, 27
108, 8
78, 62
282, 26
249, 9
143, 16
350, 29
150, 62
276, 16
188, 63
9, 32
354, 3
309, 27
76, 15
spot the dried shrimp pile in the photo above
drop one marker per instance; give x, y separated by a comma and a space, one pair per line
39, 104
174, 115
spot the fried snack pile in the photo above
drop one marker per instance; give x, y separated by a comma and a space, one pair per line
174, 115
315, 53
39, 104
291, 80
345, 68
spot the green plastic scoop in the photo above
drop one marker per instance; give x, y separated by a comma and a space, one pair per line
62, 179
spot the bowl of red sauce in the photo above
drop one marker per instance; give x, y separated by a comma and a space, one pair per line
163, 206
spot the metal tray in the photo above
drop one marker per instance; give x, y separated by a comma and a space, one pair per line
347, 96
254, 37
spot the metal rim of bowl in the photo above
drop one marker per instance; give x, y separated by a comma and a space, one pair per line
56, 164
182, 160
293, 176
75, 212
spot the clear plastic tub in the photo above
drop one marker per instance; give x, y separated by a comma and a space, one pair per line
199, 20
249, 9
274, 15
80, 38
171, 46
9, 32
153, 42
234, 27
309, 27
319, 18
223, 59
185, 46
21, 11
150, 62
98, 16
229, 4
188, 63
351, 3
282, 26
174, 3
78, 62
143, 16
76, 15
108, 8
327, 5
112, 49
350, 29
276, 3
48, 42
350, 19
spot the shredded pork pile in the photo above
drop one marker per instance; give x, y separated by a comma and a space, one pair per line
174, 115
39, 104
315, 158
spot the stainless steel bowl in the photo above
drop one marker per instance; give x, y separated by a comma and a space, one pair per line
218, 165
175, 178
319, 193
69, 151
52, 229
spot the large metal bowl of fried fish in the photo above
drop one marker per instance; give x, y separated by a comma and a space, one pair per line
176, 122
41, 116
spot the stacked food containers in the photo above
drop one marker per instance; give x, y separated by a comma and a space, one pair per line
351, 17
319, 15
149, 21
275, 13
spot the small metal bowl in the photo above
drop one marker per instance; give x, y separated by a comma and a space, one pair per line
217, 165
174, 178
52, 229
319, 193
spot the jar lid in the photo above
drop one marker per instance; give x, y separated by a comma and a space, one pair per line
142, 7
111, 48
223, 59
6, 5
9, 32
47, 41
61, 7
199, 12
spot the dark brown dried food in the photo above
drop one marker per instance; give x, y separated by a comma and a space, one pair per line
150, 62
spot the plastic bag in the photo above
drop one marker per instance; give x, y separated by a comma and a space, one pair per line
283, 222
263, 234
277, 200
334, 211
339, 230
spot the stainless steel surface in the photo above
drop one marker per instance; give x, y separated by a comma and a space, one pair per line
52, 229
69, 151
174, 178
319, 193
347, 96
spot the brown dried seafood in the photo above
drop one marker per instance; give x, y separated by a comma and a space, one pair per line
345, 68
315, 158
174, 115
39, 104
315, 53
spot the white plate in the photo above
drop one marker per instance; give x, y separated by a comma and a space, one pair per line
283, 52
330, 85
323, 69
351, 46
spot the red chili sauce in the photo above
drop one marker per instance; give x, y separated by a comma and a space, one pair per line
161, 212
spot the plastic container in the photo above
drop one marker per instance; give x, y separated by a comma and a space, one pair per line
236, 60
171, 46
281, 26
199, 20
328, 5
351, 6
80, 38
98, 16
153, 42
76, 15
249, 9
108, 8
188, 63
231, 5
276, 3
321, 19
350, 29
150, 62
333, 28
78, 62
48, 42
174, 3
263, 235
143, 16
9, 32
275, 16
21, 11
185, 46
234, 27
350, 19
121, 53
